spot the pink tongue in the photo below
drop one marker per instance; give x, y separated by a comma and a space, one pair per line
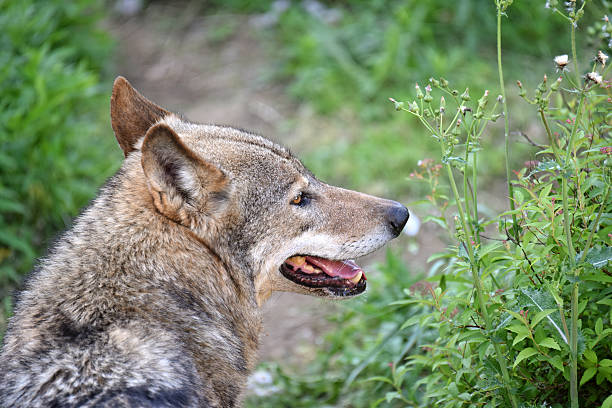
344, 269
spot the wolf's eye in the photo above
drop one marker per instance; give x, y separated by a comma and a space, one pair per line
300, 199
297, 199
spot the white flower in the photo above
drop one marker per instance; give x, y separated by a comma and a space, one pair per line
561, 61
595, 77
261, 383
602, 58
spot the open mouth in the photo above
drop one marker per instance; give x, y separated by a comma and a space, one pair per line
341, 278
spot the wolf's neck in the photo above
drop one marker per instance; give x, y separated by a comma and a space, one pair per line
122, 245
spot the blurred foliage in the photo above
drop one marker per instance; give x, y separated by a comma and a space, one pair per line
380, 46
369, 51
51, 156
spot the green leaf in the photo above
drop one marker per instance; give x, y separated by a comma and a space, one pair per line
454, 159
550, 343
540, 315
519, 338
441, 221
543, 301
390, 396
465, 396
13, 241
607, 302
548, 165
8, 206
591, 356
557, 363
525, 353
605, 362
597, 256
380, 379
598, 326
588, 374
607, 402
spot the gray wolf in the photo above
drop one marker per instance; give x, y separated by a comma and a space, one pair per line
153, 297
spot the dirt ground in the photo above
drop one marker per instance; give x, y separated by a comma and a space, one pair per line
215, 70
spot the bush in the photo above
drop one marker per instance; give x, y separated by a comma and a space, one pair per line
51, 159
518, 311
523, 316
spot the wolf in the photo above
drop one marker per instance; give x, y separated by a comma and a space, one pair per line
154, 296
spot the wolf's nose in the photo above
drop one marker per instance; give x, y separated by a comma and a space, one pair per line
397, 216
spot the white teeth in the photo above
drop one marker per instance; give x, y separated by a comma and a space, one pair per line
357, 277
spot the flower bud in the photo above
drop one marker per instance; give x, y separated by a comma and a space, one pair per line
398, 105
413, 108
482, 102
465, 96
419, 92
428, 97
522, 92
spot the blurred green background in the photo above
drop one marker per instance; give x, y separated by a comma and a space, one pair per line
326, 68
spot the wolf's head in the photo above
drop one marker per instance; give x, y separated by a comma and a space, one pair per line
252, 202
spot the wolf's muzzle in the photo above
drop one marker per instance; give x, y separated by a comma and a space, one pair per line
397, 216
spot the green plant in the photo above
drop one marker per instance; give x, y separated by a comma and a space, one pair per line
51, 155
513, 326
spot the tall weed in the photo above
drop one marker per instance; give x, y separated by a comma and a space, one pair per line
523, 310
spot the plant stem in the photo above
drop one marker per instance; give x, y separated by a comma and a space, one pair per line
475, 203
506, 123
551, 139
573, 39
572, 257
594, 227
479, 290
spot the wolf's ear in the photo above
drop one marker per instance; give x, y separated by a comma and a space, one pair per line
179, 180
131, 114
